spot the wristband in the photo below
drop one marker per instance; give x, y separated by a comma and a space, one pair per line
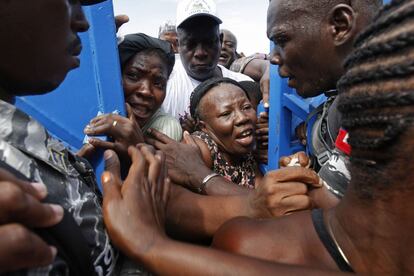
202, 188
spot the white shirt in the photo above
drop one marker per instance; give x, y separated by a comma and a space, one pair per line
180, 86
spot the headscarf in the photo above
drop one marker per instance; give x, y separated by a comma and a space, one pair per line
132, 44
206, 86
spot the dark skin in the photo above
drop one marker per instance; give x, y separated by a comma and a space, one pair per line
199, 47
22, 211
144, 79
323, 65
228, 52
374, 251
279, 193
227, 113
52, 32
339, 33
148, 186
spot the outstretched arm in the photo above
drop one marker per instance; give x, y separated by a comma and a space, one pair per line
134, 214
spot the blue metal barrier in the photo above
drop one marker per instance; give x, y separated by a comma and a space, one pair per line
92, 88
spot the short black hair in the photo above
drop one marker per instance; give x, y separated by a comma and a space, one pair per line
201, 90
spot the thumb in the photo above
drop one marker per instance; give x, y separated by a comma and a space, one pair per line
130, 113
189, 140
112, 164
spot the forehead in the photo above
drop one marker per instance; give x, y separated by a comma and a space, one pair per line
228, 36
148, 61
287, 14
223, 94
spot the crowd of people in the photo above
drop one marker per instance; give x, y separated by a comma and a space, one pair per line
182, 189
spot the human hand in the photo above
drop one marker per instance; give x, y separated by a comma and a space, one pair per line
21, 210
188, 123
265, 85
124, 131
283, 191
300, 132
184, 160
134, 211
299, 159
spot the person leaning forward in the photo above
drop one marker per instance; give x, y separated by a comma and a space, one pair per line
27, 150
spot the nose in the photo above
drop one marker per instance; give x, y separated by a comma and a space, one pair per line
241, 118
275, 57
144, 89
200, 51
79, 23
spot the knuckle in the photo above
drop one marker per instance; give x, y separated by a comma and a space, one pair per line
19, 234
14, 198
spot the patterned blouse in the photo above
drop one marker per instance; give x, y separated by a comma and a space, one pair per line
243, 174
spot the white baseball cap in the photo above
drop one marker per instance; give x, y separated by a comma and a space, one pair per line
187, 9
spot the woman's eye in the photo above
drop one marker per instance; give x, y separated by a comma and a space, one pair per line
225, 114
132, 76
247, 107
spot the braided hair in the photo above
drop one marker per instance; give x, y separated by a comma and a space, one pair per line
377, 98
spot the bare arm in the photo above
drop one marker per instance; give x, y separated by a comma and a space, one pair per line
134, 215
186, 166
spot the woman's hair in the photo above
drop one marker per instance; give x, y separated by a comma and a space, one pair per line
201, 90
253, 90
133, 44
377, 98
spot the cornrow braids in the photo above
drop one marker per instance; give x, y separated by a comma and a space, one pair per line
389, 46
387, 18
377, 99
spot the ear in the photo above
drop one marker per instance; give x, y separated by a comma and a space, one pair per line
342, 21
202, 125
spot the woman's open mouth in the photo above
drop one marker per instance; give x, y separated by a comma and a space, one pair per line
245, 138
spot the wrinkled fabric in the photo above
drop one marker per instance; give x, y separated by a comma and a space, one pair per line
26, 146
180, 86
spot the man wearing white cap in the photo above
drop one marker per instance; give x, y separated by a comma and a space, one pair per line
199, 48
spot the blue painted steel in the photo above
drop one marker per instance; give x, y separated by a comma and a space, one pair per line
92, 88
287, 109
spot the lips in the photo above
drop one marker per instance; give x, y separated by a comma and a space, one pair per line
245, 138
141, 110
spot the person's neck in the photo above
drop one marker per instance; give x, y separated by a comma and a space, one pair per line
375, 235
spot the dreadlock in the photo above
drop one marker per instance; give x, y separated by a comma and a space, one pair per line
377, 96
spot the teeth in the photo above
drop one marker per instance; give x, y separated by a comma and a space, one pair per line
246, 133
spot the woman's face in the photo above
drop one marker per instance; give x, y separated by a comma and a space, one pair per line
145, 81
229, 118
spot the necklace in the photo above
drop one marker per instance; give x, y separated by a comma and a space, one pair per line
336, 243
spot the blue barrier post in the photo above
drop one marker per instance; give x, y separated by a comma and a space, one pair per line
92, 88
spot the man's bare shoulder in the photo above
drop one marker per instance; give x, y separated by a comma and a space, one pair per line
290, 239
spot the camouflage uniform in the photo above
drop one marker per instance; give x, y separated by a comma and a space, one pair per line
26, 146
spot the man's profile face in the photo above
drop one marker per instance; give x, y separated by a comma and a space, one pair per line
228, 48
300, 48
199, 47
40, 43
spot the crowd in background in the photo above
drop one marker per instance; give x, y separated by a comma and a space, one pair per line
183, 192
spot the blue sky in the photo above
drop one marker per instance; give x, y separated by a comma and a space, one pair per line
245, 18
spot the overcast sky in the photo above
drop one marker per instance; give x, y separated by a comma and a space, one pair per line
245, 18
